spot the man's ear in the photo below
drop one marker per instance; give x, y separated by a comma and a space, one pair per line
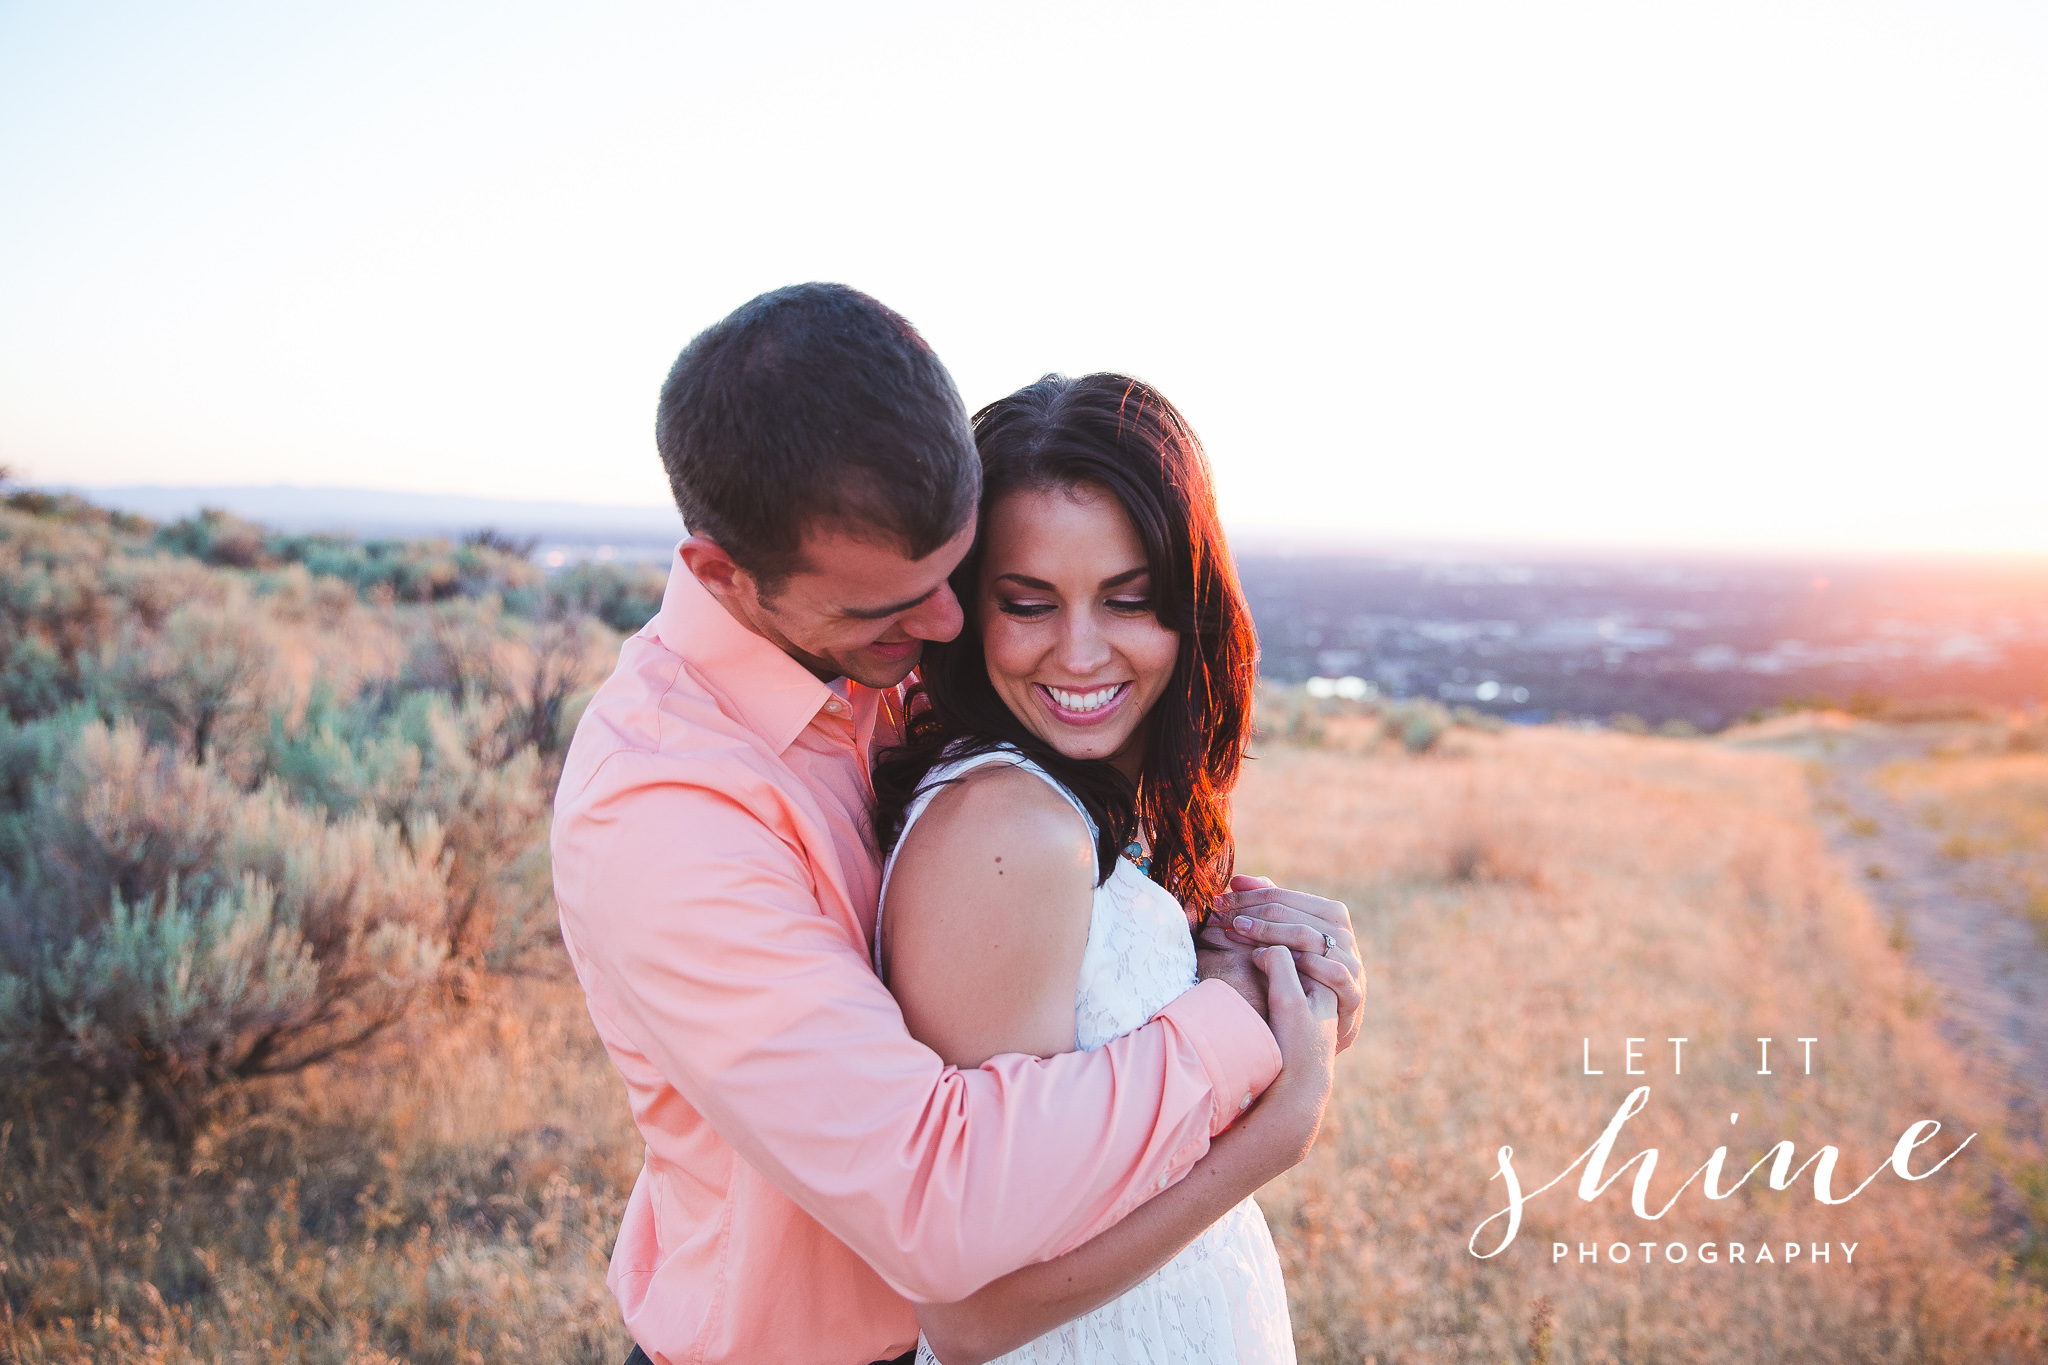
708, 562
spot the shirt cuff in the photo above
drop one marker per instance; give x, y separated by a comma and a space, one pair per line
1234, 1045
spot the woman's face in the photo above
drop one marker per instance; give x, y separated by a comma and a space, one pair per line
1072, 644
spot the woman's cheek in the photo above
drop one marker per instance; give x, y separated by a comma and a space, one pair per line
1160, 648
1006, 653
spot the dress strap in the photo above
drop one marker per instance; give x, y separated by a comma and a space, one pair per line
935, 782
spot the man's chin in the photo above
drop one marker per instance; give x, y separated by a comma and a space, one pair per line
881, 672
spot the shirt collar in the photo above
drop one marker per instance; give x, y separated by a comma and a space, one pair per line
773, 694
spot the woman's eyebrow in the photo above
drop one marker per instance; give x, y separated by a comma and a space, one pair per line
1024, 580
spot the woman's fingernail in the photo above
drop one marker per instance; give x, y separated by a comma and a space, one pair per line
1245, 924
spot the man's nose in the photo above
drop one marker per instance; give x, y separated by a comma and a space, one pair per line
938, 617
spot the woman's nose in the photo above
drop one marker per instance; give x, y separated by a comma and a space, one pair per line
1083, 648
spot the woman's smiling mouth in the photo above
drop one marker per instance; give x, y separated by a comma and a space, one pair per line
1075, 707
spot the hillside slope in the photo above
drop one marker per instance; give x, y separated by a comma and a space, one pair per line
1534, 899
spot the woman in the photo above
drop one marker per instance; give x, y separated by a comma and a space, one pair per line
1060, 798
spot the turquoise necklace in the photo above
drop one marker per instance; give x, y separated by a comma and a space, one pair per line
1139, 858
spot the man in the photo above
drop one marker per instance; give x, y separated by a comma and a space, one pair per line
810, 1167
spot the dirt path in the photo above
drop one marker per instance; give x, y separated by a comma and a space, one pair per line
1986, 960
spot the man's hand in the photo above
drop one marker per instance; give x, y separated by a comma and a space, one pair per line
1254, 912
1231, 961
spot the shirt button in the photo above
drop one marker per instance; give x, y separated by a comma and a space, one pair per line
1162, 1182
835, 706
1246, 1102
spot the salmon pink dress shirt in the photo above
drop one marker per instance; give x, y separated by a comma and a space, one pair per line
810, 1166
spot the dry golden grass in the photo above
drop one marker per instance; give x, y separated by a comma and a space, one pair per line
452, 1196
1997, 803
1517, 894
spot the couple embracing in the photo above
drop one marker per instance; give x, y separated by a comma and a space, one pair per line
895, 862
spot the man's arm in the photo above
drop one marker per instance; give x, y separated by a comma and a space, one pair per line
707, 951
1275, 1135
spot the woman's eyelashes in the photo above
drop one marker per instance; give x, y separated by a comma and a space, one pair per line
1033, 611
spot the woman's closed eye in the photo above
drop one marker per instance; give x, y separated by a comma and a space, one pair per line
1033, 611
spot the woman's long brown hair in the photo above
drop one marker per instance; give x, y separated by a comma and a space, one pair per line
1120, 434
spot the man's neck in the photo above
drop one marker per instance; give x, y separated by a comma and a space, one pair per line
758, 623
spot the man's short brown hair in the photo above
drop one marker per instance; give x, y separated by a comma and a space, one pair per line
810, 404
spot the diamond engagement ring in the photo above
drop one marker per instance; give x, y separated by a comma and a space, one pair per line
1328, 944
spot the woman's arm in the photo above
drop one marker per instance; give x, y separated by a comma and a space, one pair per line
987, 918
1267, 1140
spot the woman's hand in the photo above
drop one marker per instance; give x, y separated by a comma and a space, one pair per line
1317, 930
1303, 1016
1270, 1137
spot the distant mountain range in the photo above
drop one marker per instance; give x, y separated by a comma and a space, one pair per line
368, 512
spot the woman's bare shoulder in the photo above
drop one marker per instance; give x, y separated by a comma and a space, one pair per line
1001, 812
987, 918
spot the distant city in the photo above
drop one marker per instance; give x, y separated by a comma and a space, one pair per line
1529, 638
1702, 643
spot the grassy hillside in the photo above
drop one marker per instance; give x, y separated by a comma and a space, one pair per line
446, 1188
1526, 892
1985, 795
273, 865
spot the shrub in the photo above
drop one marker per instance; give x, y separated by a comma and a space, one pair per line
217, 537
1418, 723
465, 651
491, 538
149, 588
1471, 718
33, 678
201, 682
243, 819
565, 657
409, 570
168, 932
71, 585
624, 597
69, 507
54, 606
486, 805
455, 777
472, 652
296, 595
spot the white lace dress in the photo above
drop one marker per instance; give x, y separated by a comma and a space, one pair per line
1221, 1299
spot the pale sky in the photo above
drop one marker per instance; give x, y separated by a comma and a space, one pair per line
1736, 275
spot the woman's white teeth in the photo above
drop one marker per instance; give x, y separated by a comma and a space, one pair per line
1085, 701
